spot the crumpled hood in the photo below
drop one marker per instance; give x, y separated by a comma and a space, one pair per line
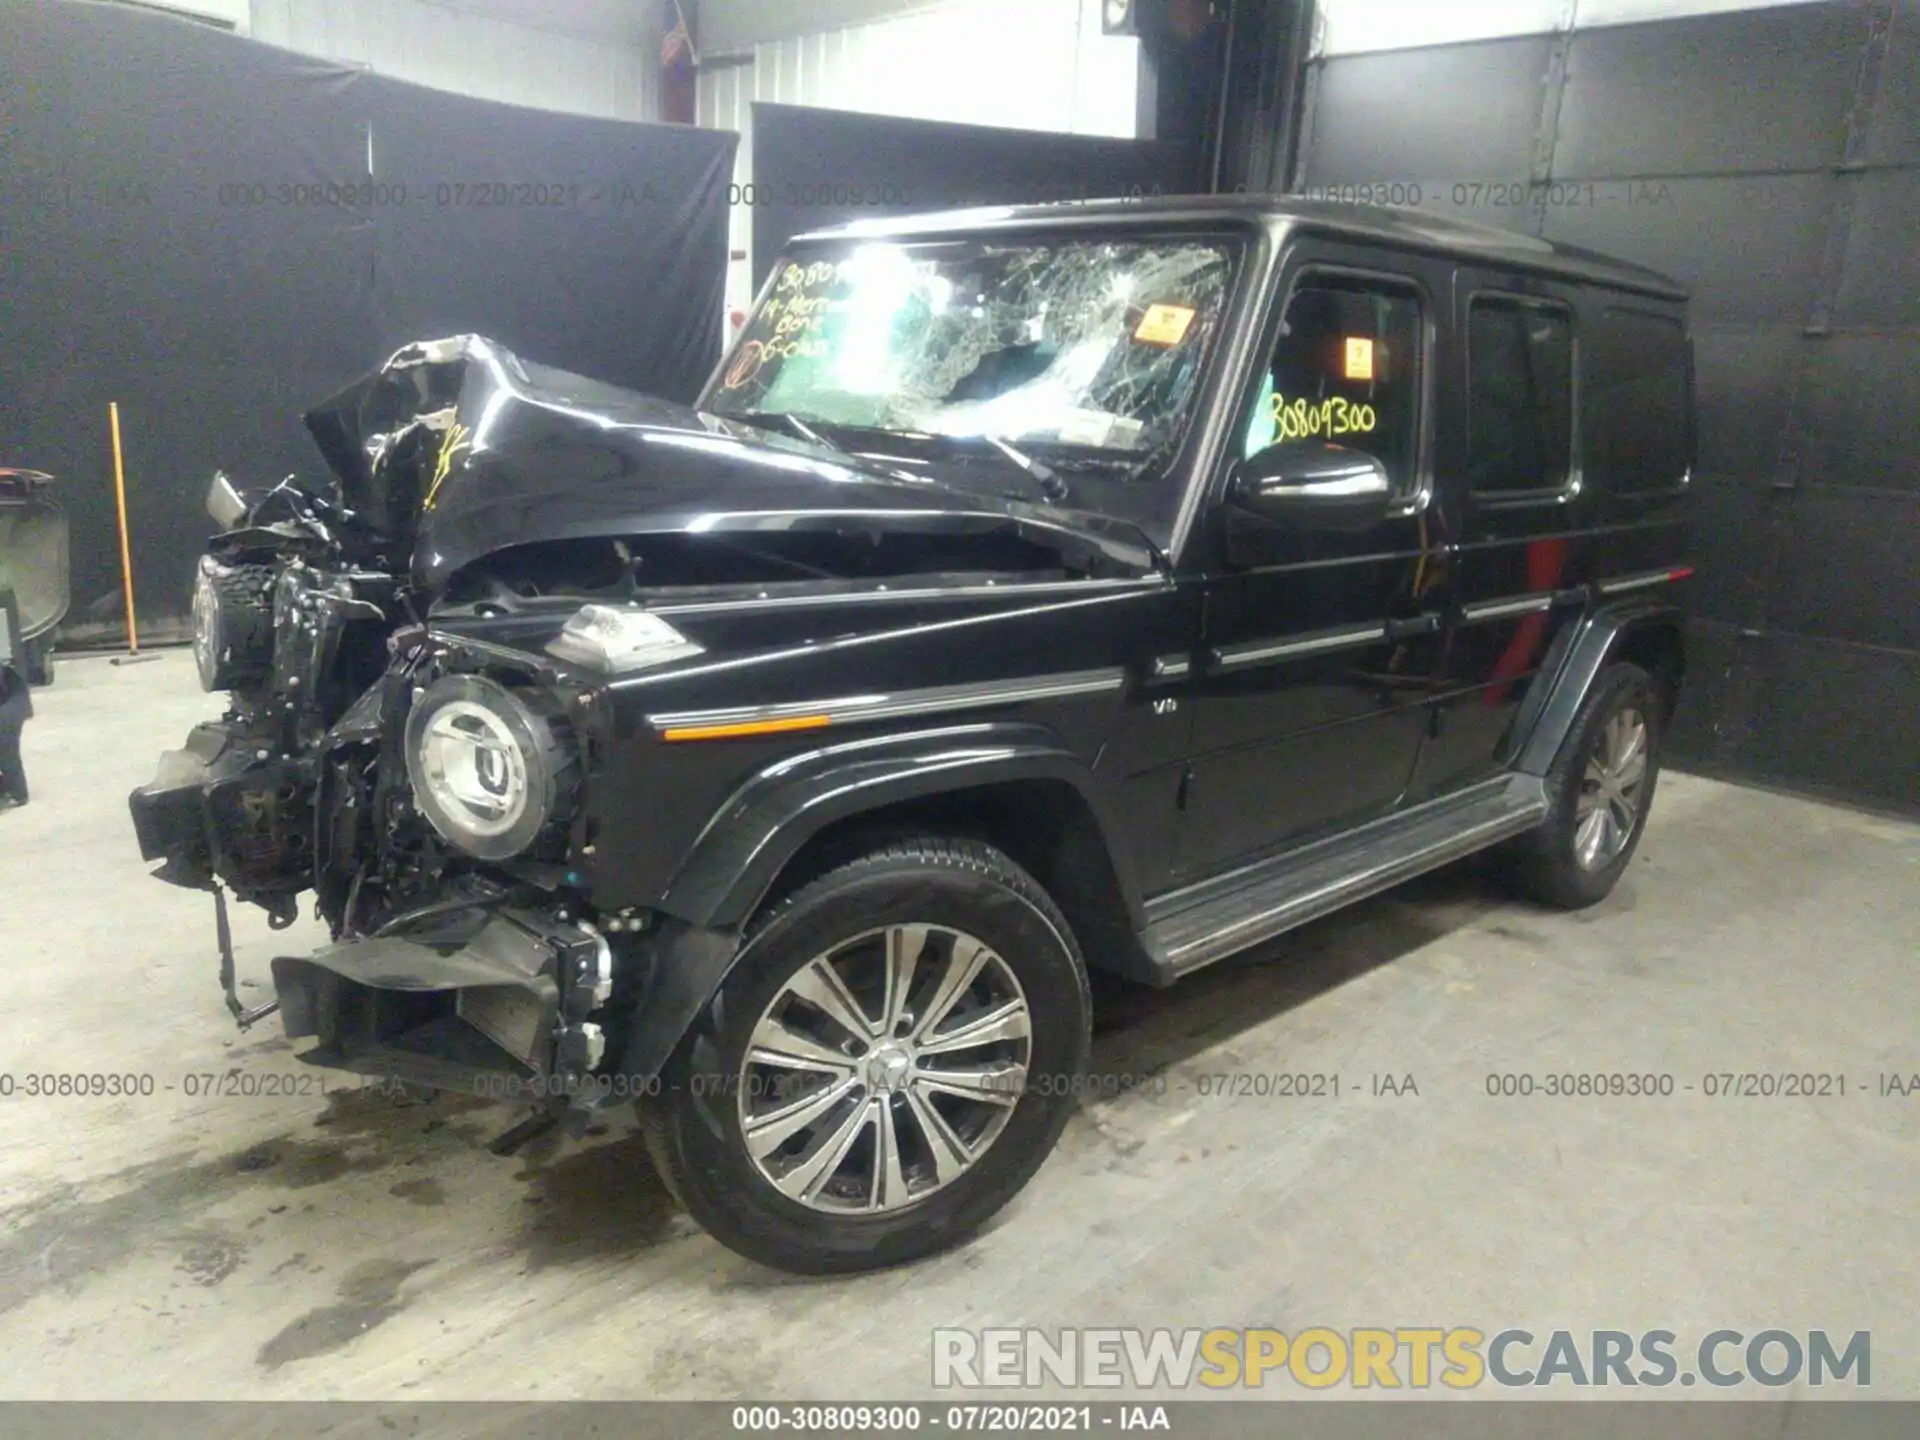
468, 449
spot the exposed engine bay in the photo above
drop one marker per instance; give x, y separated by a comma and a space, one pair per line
310, 608
412, 649
319, 654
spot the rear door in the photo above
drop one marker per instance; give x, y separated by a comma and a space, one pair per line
1320, 648
1507, 465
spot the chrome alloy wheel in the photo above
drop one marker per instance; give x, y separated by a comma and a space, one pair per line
1610, 791
884, 1069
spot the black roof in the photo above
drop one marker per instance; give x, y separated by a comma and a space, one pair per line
1403, 226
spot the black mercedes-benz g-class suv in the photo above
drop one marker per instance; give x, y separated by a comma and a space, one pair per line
1110, 586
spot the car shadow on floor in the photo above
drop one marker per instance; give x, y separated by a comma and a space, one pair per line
1139, 1031
602, 1201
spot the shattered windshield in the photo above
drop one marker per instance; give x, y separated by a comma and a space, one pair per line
1090, 343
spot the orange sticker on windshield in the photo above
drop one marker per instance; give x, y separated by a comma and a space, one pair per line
1359, 358
1164, 324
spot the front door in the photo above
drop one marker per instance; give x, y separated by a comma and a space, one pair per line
1320, 647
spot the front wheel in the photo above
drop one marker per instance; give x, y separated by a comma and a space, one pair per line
1600, 790
890, 1060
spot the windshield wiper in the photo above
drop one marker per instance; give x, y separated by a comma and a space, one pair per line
763, 420
792, 422
1051, 485
1127, 465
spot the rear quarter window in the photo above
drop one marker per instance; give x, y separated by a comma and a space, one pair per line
1519, 396
1636, 401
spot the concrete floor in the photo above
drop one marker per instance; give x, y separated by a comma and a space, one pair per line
348, 1247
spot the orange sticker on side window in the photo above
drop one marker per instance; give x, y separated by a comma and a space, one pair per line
1359, 358
1164, 324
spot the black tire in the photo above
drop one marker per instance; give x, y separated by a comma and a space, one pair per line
40, 664
1545, 862
694, 1128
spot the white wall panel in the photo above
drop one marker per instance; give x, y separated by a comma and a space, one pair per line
739, 24
522, 55
724, 101
1347, 27
1022, 64
1026, 64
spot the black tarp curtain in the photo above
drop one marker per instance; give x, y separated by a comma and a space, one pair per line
813, 168
217, 234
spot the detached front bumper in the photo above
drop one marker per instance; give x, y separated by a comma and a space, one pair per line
490, 1000
224, 808
489, 982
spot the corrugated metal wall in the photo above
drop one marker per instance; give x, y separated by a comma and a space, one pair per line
739, 24
1770, 158
581, 60
1351, 27
1024, 64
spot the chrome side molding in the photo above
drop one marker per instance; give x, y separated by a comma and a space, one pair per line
1313, 642
938, 700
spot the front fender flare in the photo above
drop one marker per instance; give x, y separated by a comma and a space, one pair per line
743, 848
740, 854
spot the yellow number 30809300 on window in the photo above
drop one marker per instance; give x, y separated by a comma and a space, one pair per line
1299, 420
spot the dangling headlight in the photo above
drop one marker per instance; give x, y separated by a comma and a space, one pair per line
232, 623
488, 770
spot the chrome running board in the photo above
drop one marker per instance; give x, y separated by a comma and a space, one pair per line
1220, 916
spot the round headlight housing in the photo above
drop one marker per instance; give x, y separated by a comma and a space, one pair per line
232, 623
206, 629
486, 766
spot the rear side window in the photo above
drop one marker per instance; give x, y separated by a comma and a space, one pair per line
1519, 396
1347, 370
1636, 402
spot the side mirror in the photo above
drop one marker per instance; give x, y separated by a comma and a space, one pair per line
1311, 484
224, 502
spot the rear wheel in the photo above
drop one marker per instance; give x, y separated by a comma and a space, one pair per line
1601, 788
887, 1064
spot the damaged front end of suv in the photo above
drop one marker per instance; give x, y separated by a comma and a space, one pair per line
445, 665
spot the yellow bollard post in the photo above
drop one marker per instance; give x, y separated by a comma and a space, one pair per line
126, 549
133, 655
